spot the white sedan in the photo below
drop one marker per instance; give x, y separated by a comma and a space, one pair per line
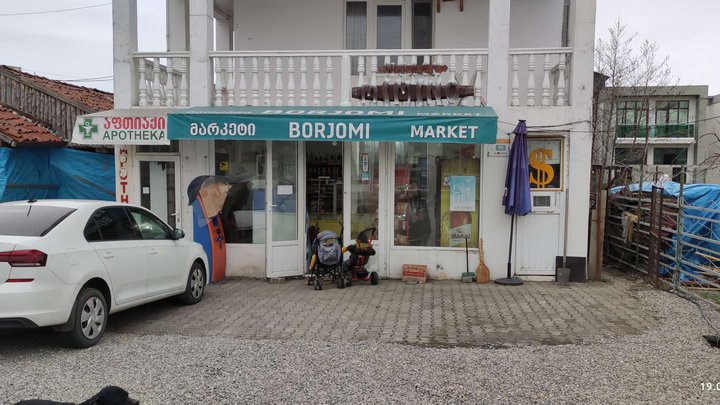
70, 263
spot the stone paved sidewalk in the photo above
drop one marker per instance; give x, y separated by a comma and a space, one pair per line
439, 313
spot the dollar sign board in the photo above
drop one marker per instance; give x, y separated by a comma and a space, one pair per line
543, 173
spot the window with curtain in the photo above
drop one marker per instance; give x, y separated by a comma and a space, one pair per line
422, 23
355, 29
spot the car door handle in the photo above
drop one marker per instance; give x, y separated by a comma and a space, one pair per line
108, 255
153, 251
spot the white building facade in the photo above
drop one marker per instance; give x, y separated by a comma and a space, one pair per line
524, 59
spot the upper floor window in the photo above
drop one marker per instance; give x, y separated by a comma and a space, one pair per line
389, 23
671, 112
631, 112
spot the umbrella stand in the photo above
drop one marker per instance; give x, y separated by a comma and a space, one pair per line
510, 280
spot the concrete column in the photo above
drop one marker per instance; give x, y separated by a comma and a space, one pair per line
177, 25
201, 42
498, 47
582, 34
125, 43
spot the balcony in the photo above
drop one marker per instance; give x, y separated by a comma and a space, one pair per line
536, 77
655, 131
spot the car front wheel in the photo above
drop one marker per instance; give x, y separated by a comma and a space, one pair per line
195, 287
89, 318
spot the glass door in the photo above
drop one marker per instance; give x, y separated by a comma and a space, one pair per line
365, 180
159, 190
283, 199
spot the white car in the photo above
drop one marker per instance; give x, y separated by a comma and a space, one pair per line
70, 263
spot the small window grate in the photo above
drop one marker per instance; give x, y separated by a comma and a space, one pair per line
543, 201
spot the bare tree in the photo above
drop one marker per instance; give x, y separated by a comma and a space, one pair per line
632, 76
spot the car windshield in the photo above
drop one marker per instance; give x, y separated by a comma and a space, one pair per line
30, 220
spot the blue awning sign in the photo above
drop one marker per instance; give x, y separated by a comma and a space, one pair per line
473, 125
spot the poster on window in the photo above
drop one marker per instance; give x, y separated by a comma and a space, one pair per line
462, 193
545, 164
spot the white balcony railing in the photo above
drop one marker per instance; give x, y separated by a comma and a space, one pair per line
331, 77
162, 79
540, 77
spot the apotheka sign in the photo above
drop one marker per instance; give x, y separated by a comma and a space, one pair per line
120, 130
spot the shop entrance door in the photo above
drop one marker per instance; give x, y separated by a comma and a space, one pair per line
159, 188
283, 199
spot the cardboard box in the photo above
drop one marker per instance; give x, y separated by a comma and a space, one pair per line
414, 272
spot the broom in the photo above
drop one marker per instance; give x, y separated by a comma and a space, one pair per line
482, 270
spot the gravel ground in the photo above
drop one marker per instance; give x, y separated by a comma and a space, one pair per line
664, 365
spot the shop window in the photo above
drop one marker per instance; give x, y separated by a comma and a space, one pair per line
670, 156
243, 214
437, 190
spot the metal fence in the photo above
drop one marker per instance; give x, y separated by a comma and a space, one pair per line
644, 232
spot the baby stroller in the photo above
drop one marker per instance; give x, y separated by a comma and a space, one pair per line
326, 262
354, 268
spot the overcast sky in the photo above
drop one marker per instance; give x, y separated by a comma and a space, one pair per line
78, 44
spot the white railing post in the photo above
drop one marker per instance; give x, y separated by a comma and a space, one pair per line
373, 76
361, 77
453, 76
291, 81
438, 81
329, 81
231, 81
561, 81
255, 85
142, 83
170, 84
156, 102
345, 81
386, 62
316, 81
465, 78
278, 81
266, 81
531, 81
478, 85
397, 80
515, 84
546, 81
184, 99
242, 84
303, 81
413, 82
219, 81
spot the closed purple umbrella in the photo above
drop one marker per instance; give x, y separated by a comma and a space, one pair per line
517, 190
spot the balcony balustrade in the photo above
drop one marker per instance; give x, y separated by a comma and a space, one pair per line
355, 77
545, 74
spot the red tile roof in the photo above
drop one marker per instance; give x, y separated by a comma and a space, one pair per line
19, 128
93, 99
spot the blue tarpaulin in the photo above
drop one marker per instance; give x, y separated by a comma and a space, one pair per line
50, 173
706, 223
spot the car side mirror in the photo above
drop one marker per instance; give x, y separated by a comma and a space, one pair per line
178, 234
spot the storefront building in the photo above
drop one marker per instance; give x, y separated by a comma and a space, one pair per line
411, 141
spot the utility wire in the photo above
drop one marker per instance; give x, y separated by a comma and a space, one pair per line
54, 11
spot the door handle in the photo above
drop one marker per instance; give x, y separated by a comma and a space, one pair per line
108, 255
153, 251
